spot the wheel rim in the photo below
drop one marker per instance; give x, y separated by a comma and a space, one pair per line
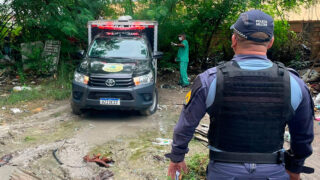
154, 102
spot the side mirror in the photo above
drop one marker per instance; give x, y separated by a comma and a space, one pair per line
80, 54
157, 55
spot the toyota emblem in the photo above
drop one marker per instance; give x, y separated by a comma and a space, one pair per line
110, 82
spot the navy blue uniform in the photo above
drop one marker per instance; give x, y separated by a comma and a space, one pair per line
203, 95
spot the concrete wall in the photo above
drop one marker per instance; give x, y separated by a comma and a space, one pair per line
311, 30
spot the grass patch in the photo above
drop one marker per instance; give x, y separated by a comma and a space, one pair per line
29, 138
52, 90
64, 130
138, 154
103, 150
197, 165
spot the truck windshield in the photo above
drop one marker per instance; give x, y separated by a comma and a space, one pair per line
119, 48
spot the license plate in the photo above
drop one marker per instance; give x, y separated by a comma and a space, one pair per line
110, 101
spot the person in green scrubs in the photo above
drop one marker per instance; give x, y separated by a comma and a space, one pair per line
183, 59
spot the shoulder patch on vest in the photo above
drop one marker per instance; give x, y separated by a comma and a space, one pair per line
188, 97
221, 63
195, 87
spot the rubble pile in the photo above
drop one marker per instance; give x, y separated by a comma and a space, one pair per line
312, 78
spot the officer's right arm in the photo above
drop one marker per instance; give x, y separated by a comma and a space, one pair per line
189, 119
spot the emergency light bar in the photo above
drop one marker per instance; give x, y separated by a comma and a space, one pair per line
124, 24
122, 33
120, 28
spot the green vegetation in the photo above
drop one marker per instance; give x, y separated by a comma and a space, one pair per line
206, 24
51, 90
29, 138
197, 166
34, 135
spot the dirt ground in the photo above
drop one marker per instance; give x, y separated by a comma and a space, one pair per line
126, 137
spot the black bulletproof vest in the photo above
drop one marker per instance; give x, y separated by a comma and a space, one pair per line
251, 109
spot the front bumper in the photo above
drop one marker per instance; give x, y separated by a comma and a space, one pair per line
131, 98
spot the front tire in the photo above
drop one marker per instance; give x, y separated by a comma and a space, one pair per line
153, 108
75, 109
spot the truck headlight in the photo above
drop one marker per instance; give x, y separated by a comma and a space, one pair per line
145, 79
81, 78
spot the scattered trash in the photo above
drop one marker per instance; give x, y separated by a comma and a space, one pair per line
54, 153
201, 132
167, 86
158, 158
178, 176
162, 141
91, 126
15, 80
70, 141
16, 110
103, 161
56, 157
311, 75
317, 99
287, 136
314, 88
165, 70
3, 108
4, 95
104, 175
21, 88
161, 107
5, 159
201, 138
317, 107
37, 110
306, 48
317, 118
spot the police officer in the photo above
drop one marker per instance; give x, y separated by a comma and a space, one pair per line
250, 100
183, 59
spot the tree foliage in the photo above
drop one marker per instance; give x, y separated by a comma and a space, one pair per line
206, 22
55, 19
6, 19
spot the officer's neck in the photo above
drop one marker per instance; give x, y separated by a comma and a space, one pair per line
258, 50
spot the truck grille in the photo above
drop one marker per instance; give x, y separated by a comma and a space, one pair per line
101, 82
119, 95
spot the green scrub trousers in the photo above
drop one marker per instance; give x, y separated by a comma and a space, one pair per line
183, 73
